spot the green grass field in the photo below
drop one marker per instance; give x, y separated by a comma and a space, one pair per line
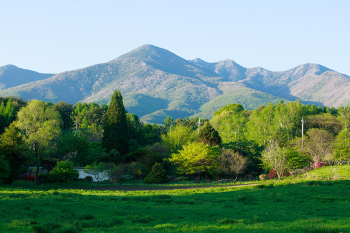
314, 202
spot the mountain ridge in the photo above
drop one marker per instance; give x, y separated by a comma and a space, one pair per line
182, 87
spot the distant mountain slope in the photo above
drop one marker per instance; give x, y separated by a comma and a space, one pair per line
156, 83
11, 76
249, 98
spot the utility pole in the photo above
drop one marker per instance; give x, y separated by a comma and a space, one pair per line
302, 132
199, 125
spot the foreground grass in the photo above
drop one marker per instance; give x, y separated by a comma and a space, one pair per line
309, 203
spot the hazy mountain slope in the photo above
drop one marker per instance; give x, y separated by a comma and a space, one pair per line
11, 76
156, 83
147, 70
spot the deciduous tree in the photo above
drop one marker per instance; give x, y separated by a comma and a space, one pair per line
232, 162
40, 125
196, 157
275, 157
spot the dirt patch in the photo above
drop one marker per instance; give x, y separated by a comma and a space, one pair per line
152, 188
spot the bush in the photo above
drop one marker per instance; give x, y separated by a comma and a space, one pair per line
65, 170
5, 170
51, 178
319, 164
262, 177
157, 175
119, 173
26, 177
139, 170
143, 156
272, 174
89, 179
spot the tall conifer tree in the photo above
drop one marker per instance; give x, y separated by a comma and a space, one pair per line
115, 135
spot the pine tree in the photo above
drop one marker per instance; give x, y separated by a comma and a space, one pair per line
115, 135
209, 135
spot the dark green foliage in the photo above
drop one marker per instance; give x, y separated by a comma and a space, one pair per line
115, 135
11, 148
135, 132
65, 109
157, 175
4, 168
151, 133
209, 135
138, 170
320, 229
143, 156
65, 170
112, 157
49, 163
252, 151
74, 146
47, 178
296, 159
89, 179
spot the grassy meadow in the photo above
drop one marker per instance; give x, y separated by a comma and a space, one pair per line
314, 202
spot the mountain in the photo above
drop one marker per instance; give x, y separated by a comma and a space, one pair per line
157, 83
11, 76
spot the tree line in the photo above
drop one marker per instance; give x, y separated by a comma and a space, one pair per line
107, 138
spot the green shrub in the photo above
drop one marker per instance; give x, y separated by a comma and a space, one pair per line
89, 179
50, 178
139, 170
157, 175
4, 168
65, 170
263, 177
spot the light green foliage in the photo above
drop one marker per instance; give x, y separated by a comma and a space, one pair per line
65, 169
196, 157
230, 122
40, 124
342, 146
178, 137
344, 116
157, 175
5, 170
275, 158
89, 115
168, 122
275, 121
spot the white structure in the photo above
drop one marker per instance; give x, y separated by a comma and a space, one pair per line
82, 174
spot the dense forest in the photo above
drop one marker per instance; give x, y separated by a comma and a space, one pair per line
278, 139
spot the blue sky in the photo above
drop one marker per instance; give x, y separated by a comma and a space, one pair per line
55, 36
